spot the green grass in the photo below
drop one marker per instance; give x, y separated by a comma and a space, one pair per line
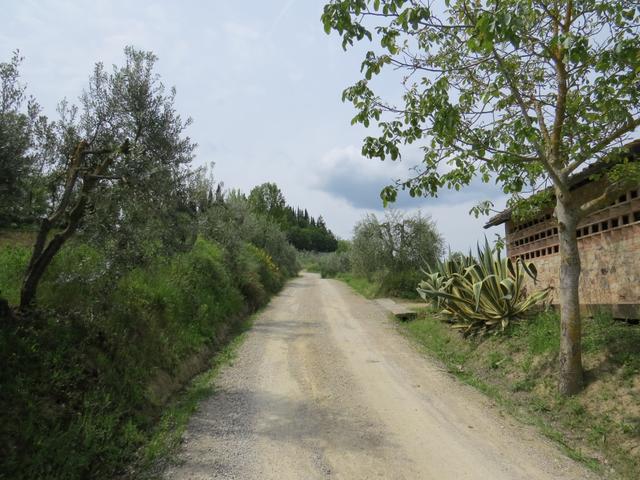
13, 262
436, 338
364, 287
310, 261
382, 285
518, 370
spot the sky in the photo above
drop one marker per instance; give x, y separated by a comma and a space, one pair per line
262, 83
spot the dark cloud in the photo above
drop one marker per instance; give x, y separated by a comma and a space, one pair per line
346, 175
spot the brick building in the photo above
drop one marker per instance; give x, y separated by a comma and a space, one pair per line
609, 243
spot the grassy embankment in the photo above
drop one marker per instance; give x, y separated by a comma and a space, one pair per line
398, 286
163, 441
364, 287
599, 427
86, 379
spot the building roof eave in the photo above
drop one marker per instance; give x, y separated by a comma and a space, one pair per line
577, 180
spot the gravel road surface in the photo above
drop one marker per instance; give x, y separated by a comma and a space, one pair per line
325, 388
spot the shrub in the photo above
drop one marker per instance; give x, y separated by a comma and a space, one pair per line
310, 261
76, 268
247, 275
272, 240
268, 271
74, 378
179, 303
400, 283
368, 254
394, 249
232, 223
334, 263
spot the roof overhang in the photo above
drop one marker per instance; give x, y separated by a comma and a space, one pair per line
576, 181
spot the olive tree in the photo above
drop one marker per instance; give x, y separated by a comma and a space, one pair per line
526, 92
124, 143
267, 199
368, 249
397, 243
22, 130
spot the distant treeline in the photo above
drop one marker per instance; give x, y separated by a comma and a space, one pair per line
303, 231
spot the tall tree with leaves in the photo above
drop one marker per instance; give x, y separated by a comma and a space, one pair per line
396, 243
125, 141
267, 199
527, 92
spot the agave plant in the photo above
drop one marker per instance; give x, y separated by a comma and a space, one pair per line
436, 278
483, 293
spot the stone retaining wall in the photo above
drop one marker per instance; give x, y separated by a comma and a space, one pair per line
609, 242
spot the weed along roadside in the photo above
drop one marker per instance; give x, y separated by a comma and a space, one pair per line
84, 392
599, 426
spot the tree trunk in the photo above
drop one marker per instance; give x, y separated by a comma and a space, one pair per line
42, 256
44, 252
30, 282
37, 269
39, 264
570, 381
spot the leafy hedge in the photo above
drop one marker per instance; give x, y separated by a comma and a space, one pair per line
74, 398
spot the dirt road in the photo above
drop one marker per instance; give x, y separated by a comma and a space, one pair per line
324, 387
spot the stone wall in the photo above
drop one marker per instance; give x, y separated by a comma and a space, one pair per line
609, 242
610, 269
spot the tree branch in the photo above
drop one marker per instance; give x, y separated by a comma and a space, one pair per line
601, 145
557, 179
562, 90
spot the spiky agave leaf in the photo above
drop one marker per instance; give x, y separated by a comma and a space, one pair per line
481, 293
